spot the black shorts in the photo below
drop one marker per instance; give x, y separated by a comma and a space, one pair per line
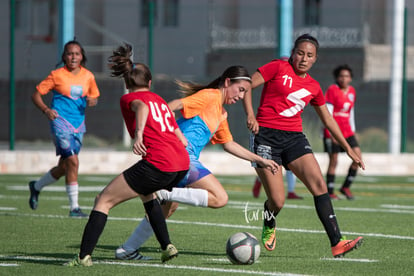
144, 178
331, 147
281, 146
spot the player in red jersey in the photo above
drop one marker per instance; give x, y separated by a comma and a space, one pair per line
277, 135
340, 100
164, 162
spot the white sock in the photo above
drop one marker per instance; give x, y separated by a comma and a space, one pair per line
291, 181
45, 180
140, 235
72, 189
191, 196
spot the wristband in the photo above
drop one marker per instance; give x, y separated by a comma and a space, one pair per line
44, 110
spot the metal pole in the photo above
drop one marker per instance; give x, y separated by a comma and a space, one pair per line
394, 112
151, 9
11, 81
404, 89
66, 23
285, 27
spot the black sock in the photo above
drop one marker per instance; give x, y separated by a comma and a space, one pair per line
349, 178
157, 221
323, 205
330, 182
269, 217
93, 230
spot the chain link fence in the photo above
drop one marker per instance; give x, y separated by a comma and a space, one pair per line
197, 41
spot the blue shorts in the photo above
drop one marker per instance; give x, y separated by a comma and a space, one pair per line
280, 146
196, 172
67, 144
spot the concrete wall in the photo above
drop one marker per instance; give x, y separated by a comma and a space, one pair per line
221, 163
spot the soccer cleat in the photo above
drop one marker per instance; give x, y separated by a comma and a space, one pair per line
169, 253
269, 238
77, 213
347, 193
334, 197
344, 246
293, 195
122, 254
162, 196
34, 195
86, 261
256, 188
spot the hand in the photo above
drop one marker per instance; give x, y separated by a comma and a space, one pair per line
51, 114
138, 147
351, 153
91, 101
269, 164
252, 124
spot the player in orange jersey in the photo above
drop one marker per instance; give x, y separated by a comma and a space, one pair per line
74, 88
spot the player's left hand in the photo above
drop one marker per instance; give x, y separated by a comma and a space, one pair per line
138, 147
91, 101
351, 153
269, 164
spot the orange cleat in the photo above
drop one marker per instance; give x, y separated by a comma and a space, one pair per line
269, 238
345, 246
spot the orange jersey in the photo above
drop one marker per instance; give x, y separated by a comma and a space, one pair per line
69, 94
204, 120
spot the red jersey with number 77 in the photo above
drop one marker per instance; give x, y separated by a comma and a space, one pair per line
164, 150
285, 95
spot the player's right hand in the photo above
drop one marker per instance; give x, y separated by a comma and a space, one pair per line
252, 124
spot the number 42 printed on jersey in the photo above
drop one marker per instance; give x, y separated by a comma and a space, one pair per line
162, 116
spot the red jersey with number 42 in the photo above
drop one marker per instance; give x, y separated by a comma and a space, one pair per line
342, 103
164, 150
285, 95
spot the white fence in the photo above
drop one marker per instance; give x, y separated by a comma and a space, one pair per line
221, 163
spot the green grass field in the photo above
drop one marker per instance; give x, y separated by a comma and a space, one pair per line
39, 242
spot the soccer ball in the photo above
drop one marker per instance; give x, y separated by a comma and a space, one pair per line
243, 248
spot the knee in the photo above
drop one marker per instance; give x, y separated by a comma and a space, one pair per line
276, 204
219, 201
72, 162
333, 163
318, 188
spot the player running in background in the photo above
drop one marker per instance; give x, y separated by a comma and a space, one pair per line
74, 88
160, 143
291, 183
340, 101
277, 135
204, 120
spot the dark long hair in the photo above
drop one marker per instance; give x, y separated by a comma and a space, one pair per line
303, 38
234, 73
135, 75
65, 50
